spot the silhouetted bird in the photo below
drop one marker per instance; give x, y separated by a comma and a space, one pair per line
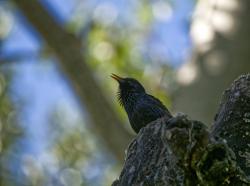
141, 107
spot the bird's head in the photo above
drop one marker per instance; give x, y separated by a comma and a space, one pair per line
127, 87
128, 84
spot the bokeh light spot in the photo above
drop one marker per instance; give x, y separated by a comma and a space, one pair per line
162, 10
215, 63
187, 74
103, 51
6, 22
105, 14
201, 32
223, 21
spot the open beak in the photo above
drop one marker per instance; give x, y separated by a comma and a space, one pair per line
117, 78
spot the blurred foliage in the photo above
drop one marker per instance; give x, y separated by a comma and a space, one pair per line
120, 46
111, 45
10, 130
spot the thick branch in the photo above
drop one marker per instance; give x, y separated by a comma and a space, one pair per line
67, 48
180, 151
232, 122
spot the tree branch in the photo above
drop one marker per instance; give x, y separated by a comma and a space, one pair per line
67, 48
232, 122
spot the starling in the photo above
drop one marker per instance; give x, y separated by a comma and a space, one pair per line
141, 107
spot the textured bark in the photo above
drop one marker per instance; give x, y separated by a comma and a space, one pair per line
67, 48
232, 122
180, 151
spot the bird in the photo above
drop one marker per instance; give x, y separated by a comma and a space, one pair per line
141, 108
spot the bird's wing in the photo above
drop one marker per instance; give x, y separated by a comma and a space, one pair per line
146, 110
143, 115
157, 102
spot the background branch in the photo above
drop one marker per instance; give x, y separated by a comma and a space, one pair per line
67, 48
216, 62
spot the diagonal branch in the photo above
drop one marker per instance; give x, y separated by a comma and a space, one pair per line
67, 48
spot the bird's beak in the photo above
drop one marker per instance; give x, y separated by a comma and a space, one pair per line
117, 78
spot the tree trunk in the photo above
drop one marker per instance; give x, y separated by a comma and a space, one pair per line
220, 32
180, 151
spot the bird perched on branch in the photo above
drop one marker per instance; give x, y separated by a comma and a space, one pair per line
141, 107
